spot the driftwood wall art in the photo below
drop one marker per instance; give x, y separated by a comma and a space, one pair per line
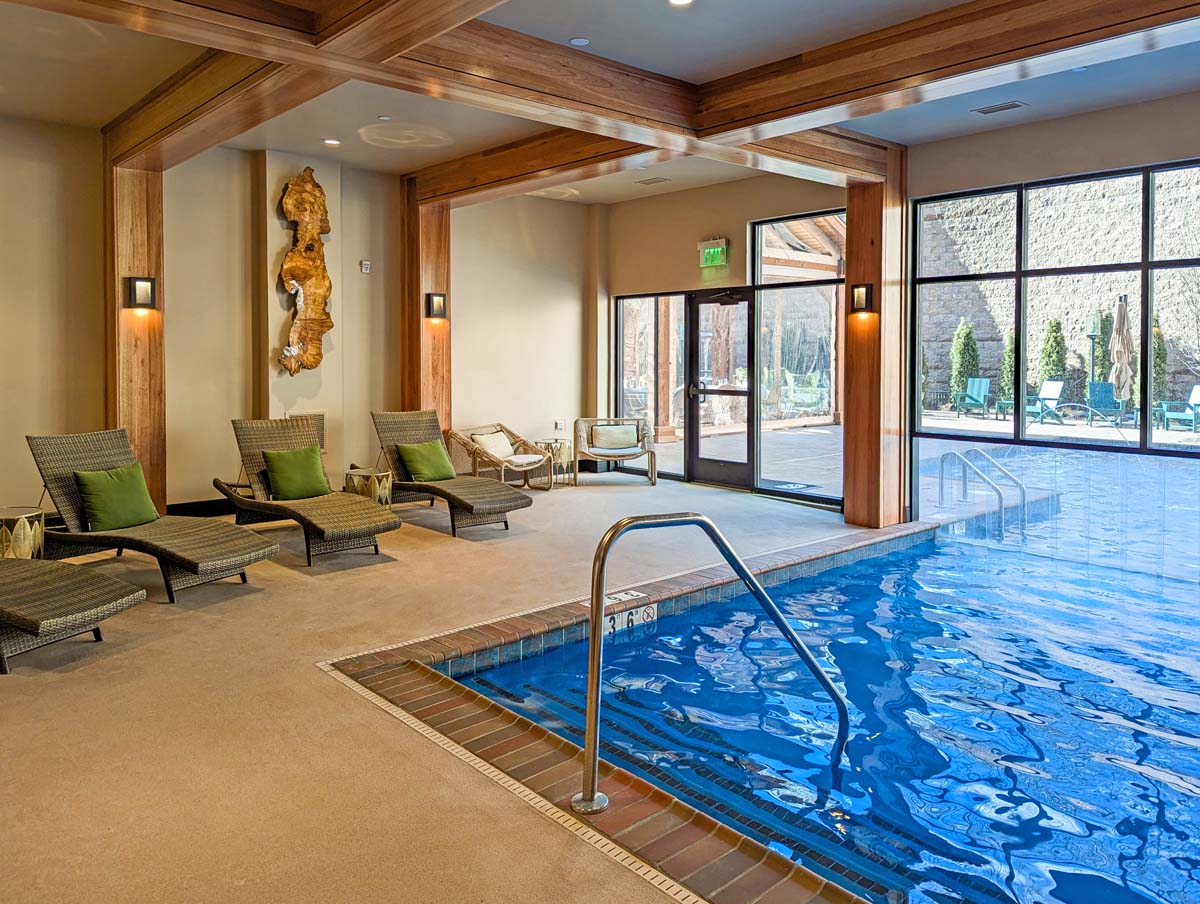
304, 274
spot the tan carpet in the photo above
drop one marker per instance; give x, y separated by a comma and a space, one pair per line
199, 755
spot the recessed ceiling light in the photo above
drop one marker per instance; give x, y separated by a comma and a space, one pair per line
384, 118
1080, 69
681, 2
579, 42
332, 142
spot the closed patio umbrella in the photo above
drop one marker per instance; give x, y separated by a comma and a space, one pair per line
1120, 351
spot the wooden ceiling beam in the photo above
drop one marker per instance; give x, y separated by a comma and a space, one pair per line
964, 48
542, 161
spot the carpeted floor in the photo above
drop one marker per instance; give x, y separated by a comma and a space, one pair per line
199, 755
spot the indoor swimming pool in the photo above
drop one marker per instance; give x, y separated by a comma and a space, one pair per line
1024, 729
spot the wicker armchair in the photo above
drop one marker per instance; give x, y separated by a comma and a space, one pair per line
526, 460
586, 451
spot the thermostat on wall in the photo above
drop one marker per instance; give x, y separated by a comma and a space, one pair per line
714, 253
365, 266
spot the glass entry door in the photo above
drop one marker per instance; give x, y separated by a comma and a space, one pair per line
721, 388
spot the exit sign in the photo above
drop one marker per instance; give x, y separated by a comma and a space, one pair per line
714, 253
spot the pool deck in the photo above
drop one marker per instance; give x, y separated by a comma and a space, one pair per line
198, 754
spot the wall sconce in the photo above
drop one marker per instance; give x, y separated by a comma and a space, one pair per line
435, 306
141, 294
862, 298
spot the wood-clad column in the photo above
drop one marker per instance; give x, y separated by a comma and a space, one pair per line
136, 366
425, 358
875, 452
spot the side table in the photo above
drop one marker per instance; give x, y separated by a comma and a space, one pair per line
371, 483
22, 532
562, 459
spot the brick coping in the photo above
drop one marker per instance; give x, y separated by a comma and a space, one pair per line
684, 852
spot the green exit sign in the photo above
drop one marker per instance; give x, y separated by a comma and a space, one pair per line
714, 253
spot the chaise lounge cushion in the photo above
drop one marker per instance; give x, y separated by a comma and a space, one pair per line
426, 461
46, 598
296, 473
115, 498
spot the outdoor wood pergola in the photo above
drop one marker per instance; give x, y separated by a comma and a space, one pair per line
268, 56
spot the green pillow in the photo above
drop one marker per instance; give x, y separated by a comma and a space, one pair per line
426, 461
296, 473
116, 498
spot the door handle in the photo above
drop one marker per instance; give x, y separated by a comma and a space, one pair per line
696, 391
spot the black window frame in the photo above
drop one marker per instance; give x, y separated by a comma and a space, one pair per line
1145, 266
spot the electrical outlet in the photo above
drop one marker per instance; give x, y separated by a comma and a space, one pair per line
365, 266
560, 424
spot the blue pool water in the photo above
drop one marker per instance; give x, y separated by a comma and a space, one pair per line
1025, 729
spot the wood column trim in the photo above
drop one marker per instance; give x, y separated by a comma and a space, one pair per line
425, 354
875, 454
136, 362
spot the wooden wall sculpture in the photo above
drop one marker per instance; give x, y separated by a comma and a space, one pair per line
304, 274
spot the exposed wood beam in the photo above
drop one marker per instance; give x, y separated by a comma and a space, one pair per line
425, 355
873, 404
895, 66
135, 381
541, 161
216, 98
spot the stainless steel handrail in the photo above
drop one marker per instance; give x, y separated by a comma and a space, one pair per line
967, 464
1022, 493
591, 800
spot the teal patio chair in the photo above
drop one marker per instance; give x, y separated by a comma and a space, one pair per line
1188, 416
1103, 403
1043, 405
976, 398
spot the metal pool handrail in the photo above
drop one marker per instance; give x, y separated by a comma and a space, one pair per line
590, 800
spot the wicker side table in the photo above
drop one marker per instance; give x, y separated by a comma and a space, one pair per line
562, 460
22, 532
372, 484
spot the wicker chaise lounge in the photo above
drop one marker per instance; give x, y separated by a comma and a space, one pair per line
43, 602
473, 501
334, 522
189, 551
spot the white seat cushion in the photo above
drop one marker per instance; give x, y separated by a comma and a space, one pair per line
614, 436
629, 450
496, 444
524, 461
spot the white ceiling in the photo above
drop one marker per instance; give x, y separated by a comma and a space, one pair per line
684, 173
1159, 73
62, 69
710, 38
422, 131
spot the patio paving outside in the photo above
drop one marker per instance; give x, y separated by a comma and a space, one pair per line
1073, 429
805, 459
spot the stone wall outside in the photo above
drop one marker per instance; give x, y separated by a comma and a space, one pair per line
1075, 224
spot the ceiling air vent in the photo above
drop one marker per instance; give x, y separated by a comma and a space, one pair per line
1000, 108
653, 180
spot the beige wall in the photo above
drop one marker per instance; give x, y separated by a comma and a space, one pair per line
227, 317
52, 367
208, 242
518, 288
1136, 135
652, 241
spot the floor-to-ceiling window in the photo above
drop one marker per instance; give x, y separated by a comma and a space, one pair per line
797, 269
650, 364
799, 264
1056, 330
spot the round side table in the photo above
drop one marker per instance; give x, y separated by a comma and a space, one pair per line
372, 483
561, 459
22, 532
